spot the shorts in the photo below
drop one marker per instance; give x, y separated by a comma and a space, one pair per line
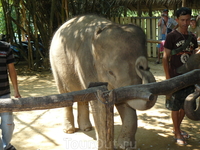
175, 102
162, 38
161, 49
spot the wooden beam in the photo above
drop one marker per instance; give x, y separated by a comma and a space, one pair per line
148, 91
49, 102
153, 41
141, 91
102, 110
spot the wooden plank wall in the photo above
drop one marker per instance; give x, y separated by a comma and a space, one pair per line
148, 24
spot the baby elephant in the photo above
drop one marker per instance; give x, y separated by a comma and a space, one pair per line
91, 48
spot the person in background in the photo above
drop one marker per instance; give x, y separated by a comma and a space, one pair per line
174, 58
198, 20
7, 69
194, 28
166, 25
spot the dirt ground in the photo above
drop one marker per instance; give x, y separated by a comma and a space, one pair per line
42, 130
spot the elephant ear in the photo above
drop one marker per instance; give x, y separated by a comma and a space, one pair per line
101, 28
192, 63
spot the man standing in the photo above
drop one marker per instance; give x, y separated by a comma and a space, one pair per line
194, 28
165, 23
7, 68
174, 58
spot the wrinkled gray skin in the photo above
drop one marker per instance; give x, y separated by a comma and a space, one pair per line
191, 112
192, 63
93, 49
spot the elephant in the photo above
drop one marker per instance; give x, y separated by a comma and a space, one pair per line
91, 48
191, 112
192, 63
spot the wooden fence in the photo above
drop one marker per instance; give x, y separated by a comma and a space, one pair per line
150, 27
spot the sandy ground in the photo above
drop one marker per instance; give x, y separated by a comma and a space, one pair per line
42, 130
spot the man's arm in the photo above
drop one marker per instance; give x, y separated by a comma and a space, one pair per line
13, 77
175, 27
166, 57
160, 22
198, 33
198, 17
175, 24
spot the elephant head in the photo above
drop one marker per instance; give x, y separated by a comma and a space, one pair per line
191, 111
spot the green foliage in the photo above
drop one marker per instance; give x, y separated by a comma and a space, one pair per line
33, 17
2, 22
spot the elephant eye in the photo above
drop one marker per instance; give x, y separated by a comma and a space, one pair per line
111, 73
141, 67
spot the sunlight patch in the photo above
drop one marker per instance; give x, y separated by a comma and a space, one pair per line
163, 135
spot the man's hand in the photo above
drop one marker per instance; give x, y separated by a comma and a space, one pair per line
17, 95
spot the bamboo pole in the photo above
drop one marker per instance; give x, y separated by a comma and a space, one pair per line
183, 3
153, 41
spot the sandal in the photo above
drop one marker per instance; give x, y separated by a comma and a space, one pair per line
180, 142
184, 134
157, 62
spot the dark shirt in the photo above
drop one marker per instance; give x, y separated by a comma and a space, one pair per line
6, 57
174, 40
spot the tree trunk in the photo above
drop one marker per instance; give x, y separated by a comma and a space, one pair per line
183, 3
53, 2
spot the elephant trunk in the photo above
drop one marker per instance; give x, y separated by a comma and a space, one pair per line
142, 69
192, 63
191, 111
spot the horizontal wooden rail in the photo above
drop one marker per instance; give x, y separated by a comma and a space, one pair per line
153, 41
141, 91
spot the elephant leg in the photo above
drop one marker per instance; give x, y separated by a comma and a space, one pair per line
69, 120
126, 138
83, 116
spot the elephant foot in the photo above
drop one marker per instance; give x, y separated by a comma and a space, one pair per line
126, 145
68, 131
88, 129
85, 127
69, 127
69, 121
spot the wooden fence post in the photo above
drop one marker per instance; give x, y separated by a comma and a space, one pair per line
102, 110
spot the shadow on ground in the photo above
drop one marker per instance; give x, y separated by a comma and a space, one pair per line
42, 129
